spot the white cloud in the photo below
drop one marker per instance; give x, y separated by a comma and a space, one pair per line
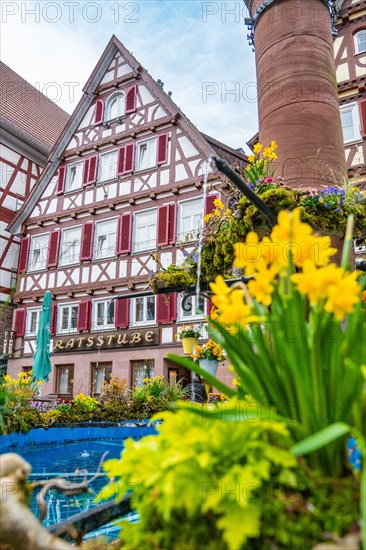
198, 49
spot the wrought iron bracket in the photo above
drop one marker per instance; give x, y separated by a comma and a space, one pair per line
251, 22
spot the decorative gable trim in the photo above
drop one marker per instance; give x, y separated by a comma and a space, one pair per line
85, 103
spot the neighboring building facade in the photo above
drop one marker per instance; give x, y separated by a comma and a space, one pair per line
350, 56
29, 125
123, 182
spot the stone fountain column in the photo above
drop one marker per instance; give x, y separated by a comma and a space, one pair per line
297, 89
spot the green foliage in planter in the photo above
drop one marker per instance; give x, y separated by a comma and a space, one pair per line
24, 420
205, 483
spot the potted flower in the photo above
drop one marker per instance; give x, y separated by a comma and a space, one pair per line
208, 356
189, 338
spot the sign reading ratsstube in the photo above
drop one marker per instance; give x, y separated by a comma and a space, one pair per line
120, 339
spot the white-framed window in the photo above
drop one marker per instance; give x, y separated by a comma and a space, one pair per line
115, 106
360, 41
145, 156
33, 315
101, 372
38, 252
105, 239
193, 309
350, 122
189, 219
67, 318
143, 311
103, 314
70, 246
107, 166
74, 177
144, 230
140, 371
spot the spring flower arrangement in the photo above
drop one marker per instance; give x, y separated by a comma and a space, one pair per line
187, 331
293, 333
210, 350
24, 387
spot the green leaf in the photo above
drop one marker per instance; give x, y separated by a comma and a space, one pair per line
238, 525
321, 439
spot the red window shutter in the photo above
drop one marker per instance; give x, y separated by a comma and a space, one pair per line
53, 328
53, 246
19, 321
172, 223
131, 100
124, 233
121, 319
163, 224
93, 163
163, 308
121, 161
84, 316
362, 109
129, 158
209, 206
86, 171
61, 180
24, 254
173, 306
99, 111
209, 306
86, 249
162, 149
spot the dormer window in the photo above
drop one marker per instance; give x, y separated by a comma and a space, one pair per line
360, 41
115, 107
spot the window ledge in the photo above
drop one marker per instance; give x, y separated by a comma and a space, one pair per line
74, 264
70, 191
38, 270
112, 257
149, 169
143, 325
353, 141
103, 328
103, 182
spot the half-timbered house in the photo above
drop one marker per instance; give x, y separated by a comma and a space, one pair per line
350, 56
30, 123
121, 192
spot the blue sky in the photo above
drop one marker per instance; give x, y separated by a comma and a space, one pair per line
197, 48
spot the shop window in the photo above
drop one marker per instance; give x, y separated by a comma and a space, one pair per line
64, 379
140, 371
101, 372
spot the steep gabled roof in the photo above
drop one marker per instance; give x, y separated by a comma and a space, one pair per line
113, 46
28, 113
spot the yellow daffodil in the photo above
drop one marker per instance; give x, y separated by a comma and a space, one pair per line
314, 282
273, 145
343, 296
218, 204
257, 148
249, 255
261, 287
251, 158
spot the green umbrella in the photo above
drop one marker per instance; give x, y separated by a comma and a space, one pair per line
42, 362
